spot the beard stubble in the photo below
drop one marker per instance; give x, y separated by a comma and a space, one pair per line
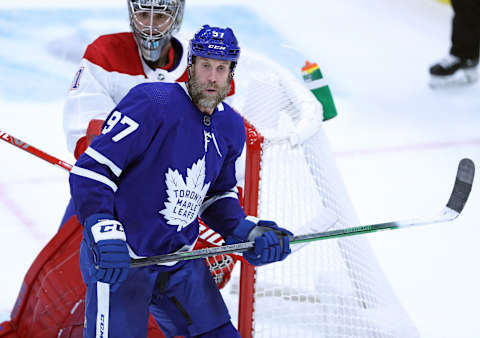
200, 99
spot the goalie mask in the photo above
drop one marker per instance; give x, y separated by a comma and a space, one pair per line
153, 22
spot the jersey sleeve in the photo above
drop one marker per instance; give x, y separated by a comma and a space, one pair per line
126, 134
87, 99
221, 208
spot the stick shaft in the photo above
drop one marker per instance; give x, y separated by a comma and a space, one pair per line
242, 247
34, 151
455, 205
456, 202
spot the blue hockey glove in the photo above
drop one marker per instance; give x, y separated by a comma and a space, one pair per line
106, 238
272, 243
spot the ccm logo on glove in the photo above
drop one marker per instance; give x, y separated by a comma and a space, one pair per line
108, 229
106, 239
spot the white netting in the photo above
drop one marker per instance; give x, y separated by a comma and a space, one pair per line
332, 288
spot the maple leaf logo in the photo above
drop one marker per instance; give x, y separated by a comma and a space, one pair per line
185, 197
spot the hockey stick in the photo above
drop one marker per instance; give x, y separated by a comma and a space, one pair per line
34, 151
455, 205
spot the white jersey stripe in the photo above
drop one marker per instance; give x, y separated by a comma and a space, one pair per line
103, 160
103, 307
93, 176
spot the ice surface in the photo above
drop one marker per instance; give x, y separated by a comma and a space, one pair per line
397, 142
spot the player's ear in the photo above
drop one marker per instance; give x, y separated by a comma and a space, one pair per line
189, 67
232, 68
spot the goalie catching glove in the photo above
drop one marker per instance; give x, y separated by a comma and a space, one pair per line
111, 260
272, 243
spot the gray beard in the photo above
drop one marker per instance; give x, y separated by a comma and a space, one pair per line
195, 89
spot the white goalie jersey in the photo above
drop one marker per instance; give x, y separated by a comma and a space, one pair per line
111, 66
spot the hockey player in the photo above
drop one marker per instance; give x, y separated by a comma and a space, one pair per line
166, 155
460, 66
114, 63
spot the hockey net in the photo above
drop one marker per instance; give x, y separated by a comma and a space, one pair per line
331, 288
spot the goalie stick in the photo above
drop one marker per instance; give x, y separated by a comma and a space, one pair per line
455, 205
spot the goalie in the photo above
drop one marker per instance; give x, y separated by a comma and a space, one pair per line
150, 52
102, 78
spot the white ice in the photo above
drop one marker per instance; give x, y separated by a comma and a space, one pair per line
397, 142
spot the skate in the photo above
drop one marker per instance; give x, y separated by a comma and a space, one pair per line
453, 71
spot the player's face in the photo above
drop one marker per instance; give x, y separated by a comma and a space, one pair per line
210, 82
211, 71
157, 22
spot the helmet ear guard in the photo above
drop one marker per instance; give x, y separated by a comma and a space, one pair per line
152, 36
214, 43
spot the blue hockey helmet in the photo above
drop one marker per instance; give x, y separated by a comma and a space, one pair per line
214, 43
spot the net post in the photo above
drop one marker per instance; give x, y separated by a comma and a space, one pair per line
247, 278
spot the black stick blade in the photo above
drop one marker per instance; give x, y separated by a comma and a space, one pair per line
463, 185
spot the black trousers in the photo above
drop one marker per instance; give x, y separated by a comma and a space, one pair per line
466, 28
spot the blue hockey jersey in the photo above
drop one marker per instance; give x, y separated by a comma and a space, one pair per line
158, 164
